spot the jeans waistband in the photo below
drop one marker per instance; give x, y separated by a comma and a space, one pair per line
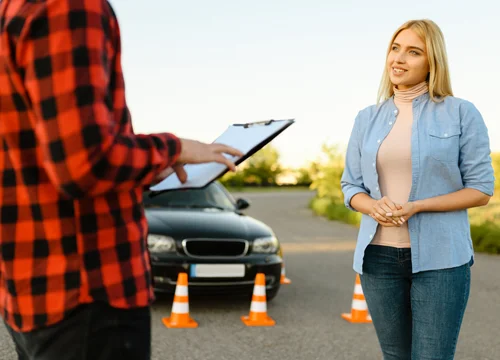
390, 251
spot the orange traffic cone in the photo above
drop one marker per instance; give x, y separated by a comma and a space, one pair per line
284, 279
359, 309
180, 309
258, 308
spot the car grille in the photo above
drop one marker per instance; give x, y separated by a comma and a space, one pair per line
215, 248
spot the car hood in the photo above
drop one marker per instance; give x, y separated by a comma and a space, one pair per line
200, 223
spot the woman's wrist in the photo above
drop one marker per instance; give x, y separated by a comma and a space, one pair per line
419, 206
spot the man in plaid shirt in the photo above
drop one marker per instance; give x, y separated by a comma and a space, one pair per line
75, 280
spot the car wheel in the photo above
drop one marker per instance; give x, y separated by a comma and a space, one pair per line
271, 294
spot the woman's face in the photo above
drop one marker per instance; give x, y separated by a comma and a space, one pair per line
407, 62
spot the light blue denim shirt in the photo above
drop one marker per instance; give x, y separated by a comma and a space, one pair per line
450, 151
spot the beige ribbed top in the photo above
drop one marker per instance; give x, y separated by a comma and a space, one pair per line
394, 164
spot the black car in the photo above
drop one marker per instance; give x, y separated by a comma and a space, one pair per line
204, 233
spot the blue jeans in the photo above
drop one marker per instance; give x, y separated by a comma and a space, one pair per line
416, 316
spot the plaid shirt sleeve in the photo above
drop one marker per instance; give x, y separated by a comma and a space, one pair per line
88, 144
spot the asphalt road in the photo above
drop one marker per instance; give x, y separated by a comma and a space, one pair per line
318, 255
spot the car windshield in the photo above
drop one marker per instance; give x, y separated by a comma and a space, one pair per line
211, 196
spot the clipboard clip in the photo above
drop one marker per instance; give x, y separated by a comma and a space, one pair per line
256, 123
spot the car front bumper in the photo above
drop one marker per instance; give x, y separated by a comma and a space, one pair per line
165, 271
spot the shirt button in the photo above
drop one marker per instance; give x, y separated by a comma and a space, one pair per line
377, 188
395, 112
378, 141
445, 134
373, 164
371, 236
390, 123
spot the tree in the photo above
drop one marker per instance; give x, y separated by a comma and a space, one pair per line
327, 176
233, 179
263, 167
306, 174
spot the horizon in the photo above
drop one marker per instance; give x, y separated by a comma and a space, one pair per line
195, 68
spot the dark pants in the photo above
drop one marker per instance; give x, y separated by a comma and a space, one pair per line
416, 316
91, 332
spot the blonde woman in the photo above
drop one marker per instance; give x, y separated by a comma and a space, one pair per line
416, 161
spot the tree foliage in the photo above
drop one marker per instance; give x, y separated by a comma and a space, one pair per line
327, 174
261, 169
264, 167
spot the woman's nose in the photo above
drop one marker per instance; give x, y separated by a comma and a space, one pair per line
399, 58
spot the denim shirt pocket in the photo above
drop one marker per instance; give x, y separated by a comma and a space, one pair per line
444, 142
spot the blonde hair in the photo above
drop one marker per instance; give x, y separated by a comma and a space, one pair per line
439, 74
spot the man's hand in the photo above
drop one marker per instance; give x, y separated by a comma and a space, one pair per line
383, 207
196, 152
404, 212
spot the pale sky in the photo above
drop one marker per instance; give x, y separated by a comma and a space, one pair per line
193, 67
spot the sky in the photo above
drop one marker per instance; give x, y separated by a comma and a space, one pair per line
194, 67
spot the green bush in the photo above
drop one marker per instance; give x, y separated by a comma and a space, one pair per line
486, 237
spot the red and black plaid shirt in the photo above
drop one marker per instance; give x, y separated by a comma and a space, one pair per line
72, 171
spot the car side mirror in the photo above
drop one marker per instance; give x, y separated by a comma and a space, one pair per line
242, 204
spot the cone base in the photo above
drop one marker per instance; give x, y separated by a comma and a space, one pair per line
172, 324
349, 317
286, 281
264, 321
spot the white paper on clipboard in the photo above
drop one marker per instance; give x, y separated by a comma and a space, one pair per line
248, 138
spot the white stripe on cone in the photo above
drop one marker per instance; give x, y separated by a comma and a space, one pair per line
358, 290
180, 308
259, 290
181, 290
258, 306
359, 305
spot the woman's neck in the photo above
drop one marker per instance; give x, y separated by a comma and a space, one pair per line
407, 95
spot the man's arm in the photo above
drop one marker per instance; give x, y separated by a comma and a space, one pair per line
65, 55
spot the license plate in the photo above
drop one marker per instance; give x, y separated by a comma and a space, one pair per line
218, 270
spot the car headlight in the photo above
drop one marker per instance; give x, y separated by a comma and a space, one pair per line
265, 245
160, 243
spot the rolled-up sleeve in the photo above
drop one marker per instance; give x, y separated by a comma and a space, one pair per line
352, 178
475, 154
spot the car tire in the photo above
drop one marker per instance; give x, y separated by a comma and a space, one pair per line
271, 294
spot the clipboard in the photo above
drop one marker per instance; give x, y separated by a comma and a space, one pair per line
248, 138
